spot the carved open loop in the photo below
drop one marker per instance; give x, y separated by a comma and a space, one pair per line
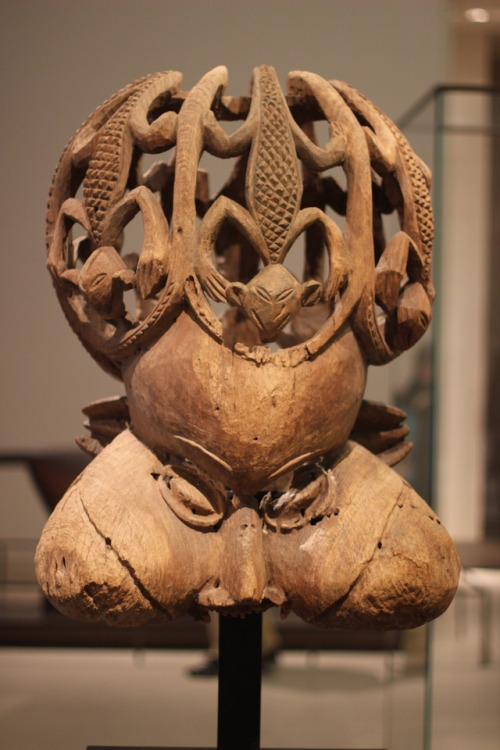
317, 157
406, 180
400, 282
221, 211
219, 143
340, 264
356, 166
98, 286
90, 327
402, 279
381, 141
160, 133
59, 258
152, 267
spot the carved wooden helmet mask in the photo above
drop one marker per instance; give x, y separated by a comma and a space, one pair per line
228, 425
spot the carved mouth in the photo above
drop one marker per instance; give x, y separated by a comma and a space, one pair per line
269, 332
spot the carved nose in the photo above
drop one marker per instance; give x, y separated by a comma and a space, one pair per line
244, 576
273, 321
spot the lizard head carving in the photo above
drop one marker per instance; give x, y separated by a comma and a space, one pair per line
272, 298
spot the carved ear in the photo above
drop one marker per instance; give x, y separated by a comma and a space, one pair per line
311, 292
236, 293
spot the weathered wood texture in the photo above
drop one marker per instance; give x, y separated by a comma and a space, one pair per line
243, 469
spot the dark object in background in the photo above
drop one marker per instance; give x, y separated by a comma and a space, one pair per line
51, 471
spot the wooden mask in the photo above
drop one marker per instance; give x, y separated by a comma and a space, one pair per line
243, 469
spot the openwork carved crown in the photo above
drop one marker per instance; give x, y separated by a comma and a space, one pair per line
232, 248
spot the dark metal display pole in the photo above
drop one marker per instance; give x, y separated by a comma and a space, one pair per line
240, 674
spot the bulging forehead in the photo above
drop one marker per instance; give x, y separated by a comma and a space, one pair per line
275, 277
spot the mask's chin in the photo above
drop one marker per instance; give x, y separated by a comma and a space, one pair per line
270, 336
270, 339
270, 333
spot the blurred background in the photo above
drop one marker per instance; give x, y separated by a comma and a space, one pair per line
433, 66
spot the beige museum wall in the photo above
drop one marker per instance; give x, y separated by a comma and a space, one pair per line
461, 382
59, 61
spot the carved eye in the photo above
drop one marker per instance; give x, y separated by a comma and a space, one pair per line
97, 280
262, 293
191, 500
286, 294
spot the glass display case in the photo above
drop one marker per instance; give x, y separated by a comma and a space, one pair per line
455, 129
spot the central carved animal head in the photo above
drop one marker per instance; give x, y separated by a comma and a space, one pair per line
272, 298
